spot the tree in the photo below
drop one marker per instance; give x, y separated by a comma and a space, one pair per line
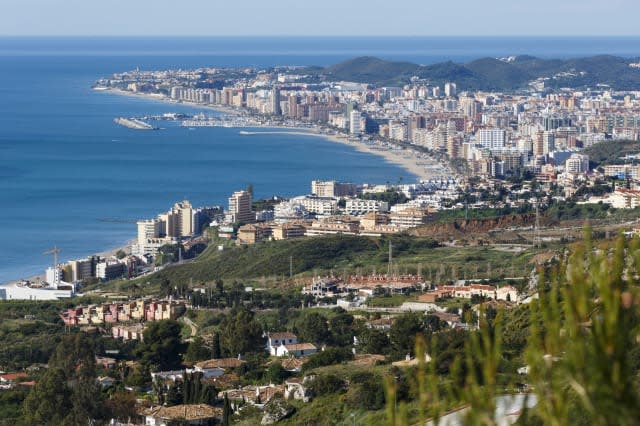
49, 401
241, 333
75, 357
197, 351
226, 411
329, 356
312, 327
215, 346
373, 341
403, 332
341, 328
162, 347
67, 394
122, 406
275, 374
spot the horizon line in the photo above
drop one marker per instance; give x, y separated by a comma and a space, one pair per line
322, 35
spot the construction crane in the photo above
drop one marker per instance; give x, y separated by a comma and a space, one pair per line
54, 251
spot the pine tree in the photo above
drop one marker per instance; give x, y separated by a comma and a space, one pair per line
215, 346
226, 411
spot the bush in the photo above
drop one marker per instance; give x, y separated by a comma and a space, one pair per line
325, 384
329, 356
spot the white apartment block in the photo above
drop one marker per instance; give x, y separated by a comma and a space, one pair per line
317, 205
355, 123
577, 164
357, 206
491, 138
240, 207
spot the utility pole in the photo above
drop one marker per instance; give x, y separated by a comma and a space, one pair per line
290, 266
536, 227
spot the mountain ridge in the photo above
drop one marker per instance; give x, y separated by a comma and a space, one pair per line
488, 73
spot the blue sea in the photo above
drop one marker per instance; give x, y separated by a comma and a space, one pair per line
72, 178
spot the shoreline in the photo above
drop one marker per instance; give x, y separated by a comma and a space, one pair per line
41, 277
407, 159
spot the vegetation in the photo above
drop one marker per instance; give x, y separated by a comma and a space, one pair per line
162, 347
67, 393
491, 73
610, 152
272, 258
580, 348
392, 197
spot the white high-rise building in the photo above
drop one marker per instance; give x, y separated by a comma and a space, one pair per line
184, 221
240, 207
450, 89
491, 138
147, 229
53, 276
355, 122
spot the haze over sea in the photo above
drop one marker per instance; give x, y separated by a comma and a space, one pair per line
70, 177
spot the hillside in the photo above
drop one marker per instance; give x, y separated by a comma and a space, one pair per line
337, 252
610, 152
493, 74
370, 69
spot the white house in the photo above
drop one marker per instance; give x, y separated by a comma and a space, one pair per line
297, 349
206, 372
274, 340
168, 375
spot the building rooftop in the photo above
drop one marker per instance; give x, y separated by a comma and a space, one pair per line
188, 412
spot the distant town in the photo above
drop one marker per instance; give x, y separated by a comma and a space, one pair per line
439, 298
520, 150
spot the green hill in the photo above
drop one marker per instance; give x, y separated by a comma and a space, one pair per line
491, 73
369, 69
337, 252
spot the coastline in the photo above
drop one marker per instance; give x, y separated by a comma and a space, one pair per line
109, 253
418, 164
401, 157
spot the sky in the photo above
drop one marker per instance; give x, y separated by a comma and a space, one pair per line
320, 17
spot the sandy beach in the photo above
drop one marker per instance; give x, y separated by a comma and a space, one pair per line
416, 163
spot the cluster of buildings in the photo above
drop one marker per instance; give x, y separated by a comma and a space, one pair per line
366, 285
335, 208
133, 311
498, 134
537, 131
181, 222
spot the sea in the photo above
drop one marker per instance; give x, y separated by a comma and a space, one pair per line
71, 178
